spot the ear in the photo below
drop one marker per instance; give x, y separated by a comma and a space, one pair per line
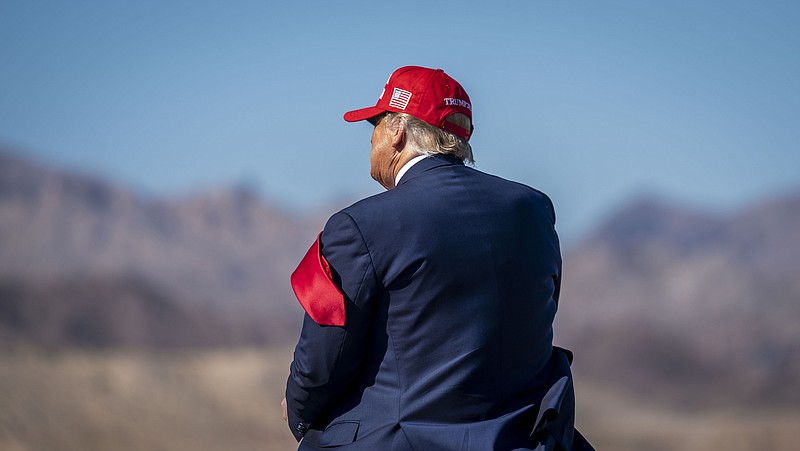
399, 138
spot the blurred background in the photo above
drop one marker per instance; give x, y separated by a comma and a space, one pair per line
165, 165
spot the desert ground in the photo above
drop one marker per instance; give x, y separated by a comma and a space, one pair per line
229, 399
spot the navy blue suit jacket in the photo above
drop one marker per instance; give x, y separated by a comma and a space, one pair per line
450, 284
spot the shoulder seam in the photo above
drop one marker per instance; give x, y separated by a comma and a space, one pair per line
369, 253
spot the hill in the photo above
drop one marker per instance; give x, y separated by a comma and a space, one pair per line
687, 306
79, 254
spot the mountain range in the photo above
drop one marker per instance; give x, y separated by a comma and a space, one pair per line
689, 306
83, 260
669, 302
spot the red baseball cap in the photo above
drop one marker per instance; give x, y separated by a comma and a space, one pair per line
427, 94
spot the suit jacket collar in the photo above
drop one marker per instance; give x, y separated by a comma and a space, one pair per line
433, 161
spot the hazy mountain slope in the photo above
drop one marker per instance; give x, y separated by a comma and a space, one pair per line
224, 254
689, 306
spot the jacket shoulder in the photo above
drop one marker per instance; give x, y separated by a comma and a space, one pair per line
520, 191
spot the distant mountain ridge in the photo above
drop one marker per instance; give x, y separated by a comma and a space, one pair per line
664, 298
670, 302
225, 254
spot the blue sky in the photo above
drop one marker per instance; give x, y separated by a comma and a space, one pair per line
593, 102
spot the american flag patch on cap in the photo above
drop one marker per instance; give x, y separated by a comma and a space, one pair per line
400, 98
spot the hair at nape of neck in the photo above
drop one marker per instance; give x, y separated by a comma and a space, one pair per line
425, 139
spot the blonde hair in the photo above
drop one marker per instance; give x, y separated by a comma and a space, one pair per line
425, 139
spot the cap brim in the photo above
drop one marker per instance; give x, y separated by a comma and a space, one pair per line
362, 114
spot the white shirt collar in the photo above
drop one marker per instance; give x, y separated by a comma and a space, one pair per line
407, 166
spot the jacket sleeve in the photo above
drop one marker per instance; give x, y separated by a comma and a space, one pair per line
327, 357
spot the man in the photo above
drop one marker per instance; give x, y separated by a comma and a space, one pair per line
429, 307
